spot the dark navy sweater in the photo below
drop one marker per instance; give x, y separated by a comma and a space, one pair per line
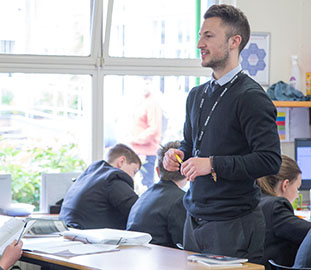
242, 136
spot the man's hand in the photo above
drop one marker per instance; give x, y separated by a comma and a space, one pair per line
170, 161
194, 167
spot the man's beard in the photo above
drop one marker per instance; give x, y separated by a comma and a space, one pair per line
218, 63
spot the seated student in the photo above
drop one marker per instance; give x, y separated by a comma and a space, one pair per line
10, 255
160, 210
284, 230
103, 194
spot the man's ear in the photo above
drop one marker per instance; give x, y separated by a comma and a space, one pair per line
235, 42
284, 185
120, 161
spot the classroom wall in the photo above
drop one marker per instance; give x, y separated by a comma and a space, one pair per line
288, 22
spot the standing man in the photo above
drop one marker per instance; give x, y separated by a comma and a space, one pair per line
230, 139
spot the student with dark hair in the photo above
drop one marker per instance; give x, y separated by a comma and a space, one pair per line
284, 231
230, 140
103, 194
10, 255
159, 211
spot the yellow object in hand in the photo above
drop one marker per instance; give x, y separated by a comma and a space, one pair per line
178, 158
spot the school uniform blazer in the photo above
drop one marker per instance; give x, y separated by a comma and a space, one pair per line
101, 197
284, 230
160, 212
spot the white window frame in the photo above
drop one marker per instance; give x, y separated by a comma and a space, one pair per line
99, 64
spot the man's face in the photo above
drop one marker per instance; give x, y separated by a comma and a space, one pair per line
130, 168
213, 43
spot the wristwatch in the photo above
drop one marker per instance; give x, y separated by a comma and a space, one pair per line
213, 173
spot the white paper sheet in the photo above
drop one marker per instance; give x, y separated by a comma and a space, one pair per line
11, 230
108, 236
63, 247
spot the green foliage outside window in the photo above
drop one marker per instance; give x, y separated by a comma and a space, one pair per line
27, 165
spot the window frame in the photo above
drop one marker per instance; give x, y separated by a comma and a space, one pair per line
98, 64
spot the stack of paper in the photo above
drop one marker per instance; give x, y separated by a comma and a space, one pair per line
108, 236
62, 247
11, 230
86, 241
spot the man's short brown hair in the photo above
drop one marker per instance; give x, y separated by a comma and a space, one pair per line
123, 150
234, 18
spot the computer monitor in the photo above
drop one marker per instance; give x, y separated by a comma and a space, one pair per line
54, 187
5, 192
303, 158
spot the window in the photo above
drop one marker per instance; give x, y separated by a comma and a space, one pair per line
153, 29
50, 27
7, 46
45, 110
71, 72
124, 94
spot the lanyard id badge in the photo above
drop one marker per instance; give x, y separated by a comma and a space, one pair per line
203, 129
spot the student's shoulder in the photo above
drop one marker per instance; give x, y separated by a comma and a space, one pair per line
170, 187
174, 194
100, 167
165, 191
101, 171
274, 202
178, 192
115, 174
268, 199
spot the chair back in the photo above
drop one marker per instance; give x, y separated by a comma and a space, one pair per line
54, 187
275, 266
303, 255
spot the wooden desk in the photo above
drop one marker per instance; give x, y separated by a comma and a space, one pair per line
149, 257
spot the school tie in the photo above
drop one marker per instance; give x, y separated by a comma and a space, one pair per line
213, 86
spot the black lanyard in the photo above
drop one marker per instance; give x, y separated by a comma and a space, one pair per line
203, 129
